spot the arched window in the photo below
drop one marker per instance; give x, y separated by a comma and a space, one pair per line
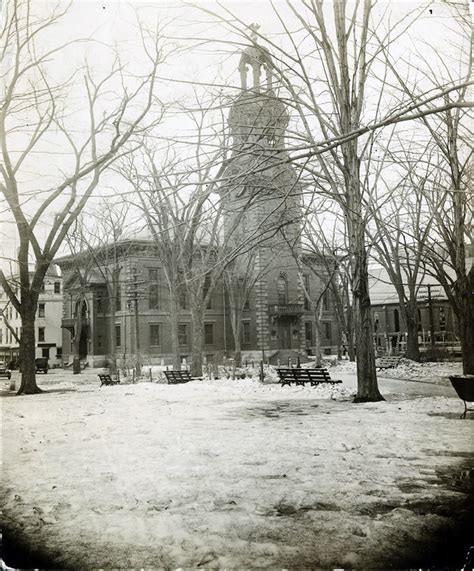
282, 289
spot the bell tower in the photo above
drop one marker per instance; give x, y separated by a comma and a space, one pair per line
262, 194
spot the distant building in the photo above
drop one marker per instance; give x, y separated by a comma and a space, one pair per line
47, 323
289, 321
435, 314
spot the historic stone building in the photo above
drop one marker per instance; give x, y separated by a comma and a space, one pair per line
260, 299
47, 322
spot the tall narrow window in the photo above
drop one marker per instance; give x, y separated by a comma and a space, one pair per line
183, 334
118, 300
246, 332
40, 333
307, 292
206, 288
100, 308
153, 289
308, 331
326, 300
327, 330
155, 334
57, 287
118, 336
282, 289
208, 333
396, 319
442, 319
183, 297
41, 309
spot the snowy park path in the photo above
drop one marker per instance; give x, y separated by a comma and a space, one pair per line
230, 474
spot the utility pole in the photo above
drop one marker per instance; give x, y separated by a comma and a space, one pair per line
134, 292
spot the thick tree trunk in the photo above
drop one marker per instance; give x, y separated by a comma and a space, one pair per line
28, 384
367, 387
174, 325
197, 341
466, 325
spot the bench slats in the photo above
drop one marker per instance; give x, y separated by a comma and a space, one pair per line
302, 376
107, 380
178, 377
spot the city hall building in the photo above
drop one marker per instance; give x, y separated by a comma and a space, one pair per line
262, 197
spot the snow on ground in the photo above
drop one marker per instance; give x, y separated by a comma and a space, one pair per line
228, 473
431, 372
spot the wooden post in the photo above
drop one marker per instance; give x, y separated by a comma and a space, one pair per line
262, 375
151, 378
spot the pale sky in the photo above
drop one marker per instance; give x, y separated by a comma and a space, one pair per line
113, 25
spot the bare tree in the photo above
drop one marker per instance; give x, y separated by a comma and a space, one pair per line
116, 104
450, 201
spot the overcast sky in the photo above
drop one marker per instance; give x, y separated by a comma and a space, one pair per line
113, 26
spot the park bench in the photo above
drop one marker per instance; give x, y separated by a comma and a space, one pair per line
464, 387
177, 377
301, 376
106, 379
387, 362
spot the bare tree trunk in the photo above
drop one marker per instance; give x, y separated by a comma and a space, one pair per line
174, 325
113, 345
197, 342
466, 326
367, 388
28, 384
411, 318
317, 337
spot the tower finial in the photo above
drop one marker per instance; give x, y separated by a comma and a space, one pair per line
254, 31
258, 58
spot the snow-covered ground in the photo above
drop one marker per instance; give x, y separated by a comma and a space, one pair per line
230, 473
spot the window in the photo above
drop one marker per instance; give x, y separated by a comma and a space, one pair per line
153, 289
183, 298
155, 334
59, 352
246, 332
183, 334
442, 319
118, 336
99, 341
326, 300
41, 310
40, 333
307, 292
100, 308
118, 300
308, 333
45, 352
42, 288
206, 288
57, 287
327, 330
396, 319
247, 304
208, 333
282, 289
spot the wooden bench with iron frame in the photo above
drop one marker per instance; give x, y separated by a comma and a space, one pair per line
106, 379
178, 377
300, 376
